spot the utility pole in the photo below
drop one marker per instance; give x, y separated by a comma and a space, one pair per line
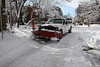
1, 19
3, 16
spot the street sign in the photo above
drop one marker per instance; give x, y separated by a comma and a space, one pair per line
1, 18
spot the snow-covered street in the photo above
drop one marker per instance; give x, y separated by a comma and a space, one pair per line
18, 50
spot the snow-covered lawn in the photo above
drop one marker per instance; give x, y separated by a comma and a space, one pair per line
18, 50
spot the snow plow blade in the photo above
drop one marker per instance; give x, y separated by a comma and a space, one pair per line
47, 34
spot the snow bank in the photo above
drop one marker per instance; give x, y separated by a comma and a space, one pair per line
91, 35
23, 32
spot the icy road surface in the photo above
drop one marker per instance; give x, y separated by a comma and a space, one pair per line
18, 50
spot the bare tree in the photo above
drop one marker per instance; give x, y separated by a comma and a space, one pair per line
19, 5
16, 7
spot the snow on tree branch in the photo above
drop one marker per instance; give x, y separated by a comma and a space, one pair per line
89, 10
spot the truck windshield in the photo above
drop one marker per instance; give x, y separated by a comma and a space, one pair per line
53, 21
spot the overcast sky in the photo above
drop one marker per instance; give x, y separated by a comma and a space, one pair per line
75, 3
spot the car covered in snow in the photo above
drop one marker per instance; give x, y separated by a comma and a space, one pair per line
55, 28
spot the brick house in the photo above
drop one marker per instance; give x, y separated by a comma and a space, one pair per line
30, 11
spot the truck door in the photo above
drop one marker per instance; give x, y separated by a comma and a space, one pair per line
65, 26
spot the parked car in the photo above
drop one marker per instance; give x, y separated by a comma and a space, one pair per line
80, 23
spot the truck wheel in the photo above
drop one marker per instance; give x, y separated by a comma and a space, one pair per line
70, 30
61, 33
58, 40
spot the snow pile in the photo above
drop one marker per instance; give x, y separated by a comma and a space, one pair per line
91, 35
89, 38
23, 32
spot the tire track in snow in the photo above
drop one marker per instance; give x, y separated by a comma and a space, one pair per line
84, 43
20, 52
75, 43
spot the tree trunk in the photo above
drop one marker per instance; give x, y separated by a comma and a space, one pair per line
18, 22
88, 24
10, 17
19, 10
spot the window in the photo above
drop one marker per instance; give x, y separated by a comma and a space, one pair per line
57, 21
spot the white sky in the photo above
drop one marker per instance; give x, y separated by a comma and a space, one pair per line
75, 3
